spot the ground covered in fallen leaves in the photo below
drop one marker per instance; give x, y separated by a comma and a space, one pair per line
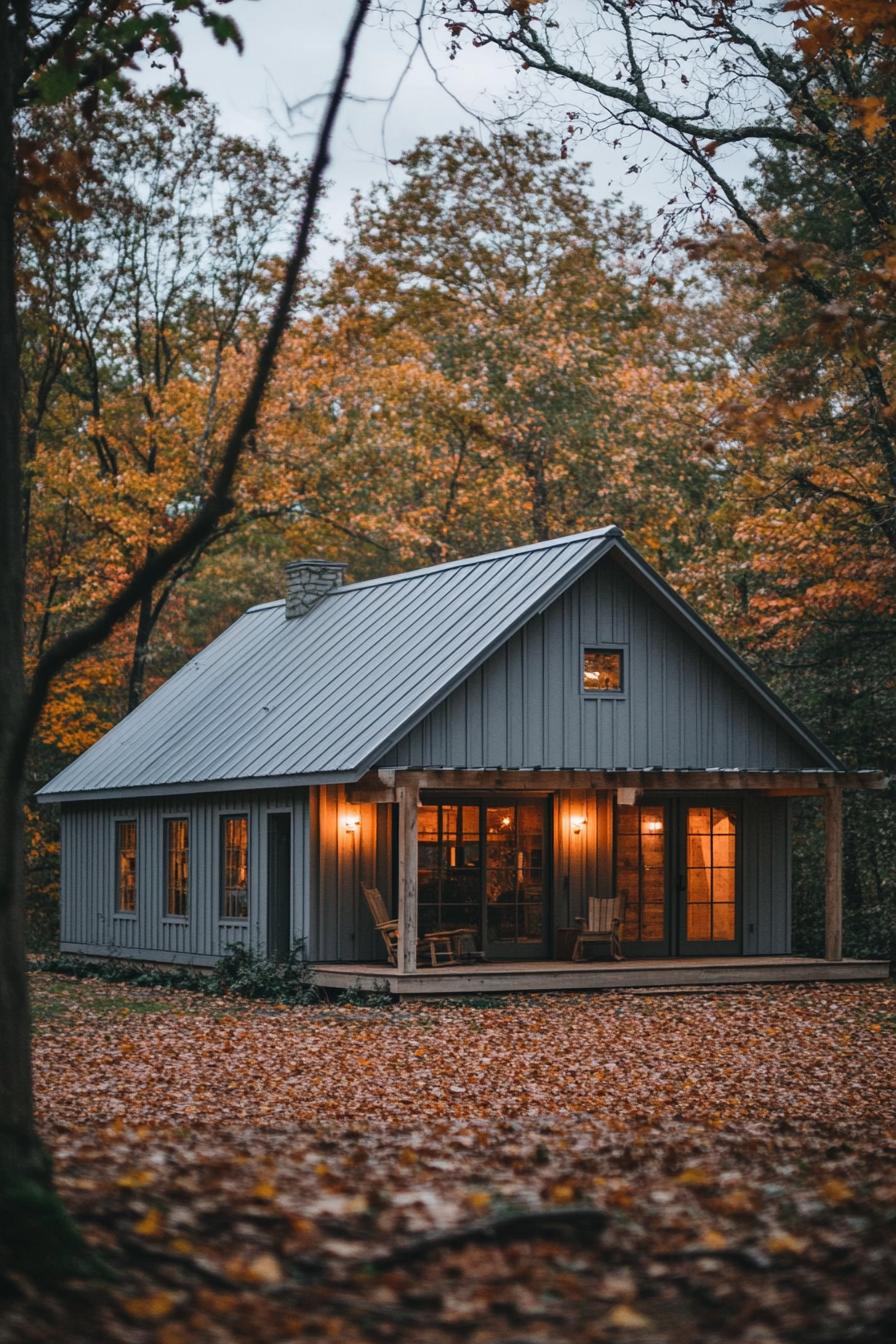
548, 1169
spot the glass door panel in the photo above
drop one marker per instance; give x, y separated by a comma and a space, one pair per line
515, 879
449, 879
483, 867
641, 877
709, 915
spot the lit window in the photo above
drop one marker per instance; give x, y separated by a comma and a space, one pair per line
177, 865
602, 670
126, 867
234, 867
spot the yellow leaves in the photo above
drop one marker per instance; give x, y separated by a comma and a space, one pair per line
153, 1307
785, 1243
626, 1317
264, 1190
151, 1225
562, 1193
479, 1200
834, 1191
695, 1176
870, 116
136, 1180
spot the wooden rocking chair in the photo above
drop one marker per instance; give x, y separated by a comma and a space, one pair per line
603, 925
446, 947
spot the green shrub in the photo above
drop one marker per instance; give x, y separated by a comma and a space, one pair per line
240, 971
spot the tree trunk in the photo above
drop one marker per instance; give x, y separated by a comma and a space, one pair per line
538, 492
137, 675
17, 1137
35, 1231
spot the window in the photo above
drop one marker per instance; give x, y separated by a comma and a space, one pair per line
177, 865
234, 867
602, 670
126, 867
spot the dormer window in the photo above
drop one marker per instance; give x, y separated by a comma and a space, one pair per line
602, 671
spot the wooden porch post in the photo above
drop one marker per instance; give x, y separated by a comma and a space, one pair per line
833, 874
408, 800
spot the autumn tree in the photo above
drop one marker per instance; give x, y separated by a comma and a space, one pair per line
130, 310
708, 82
51, 52
489, 364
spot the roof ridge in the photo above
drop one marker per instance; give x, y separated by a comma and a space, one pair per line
609, 530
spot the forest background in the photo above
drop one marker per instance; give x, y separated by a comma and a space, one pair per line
491, 356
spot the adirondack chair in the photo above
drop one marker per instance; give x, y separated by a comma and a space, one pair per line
605, 918
445, 947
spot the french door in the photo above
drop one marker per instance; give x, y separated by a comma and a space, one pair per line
677, 864
707, 880
482, 865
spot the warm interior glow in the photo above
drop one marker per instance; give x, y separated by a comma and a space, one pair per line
577, 823
352, 822
653, 825
506, 822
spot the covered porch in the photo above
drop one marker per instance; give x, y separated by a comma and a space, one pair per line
702, 856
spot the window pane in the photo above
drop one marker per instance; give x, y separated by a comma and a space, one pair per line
427, 823
177, 865
126, 864
602, 670
723, 928
641, 871
699, 884
235, 867
699, 923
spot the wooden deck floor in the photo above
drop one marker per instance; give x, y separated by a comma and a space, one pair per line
501, 977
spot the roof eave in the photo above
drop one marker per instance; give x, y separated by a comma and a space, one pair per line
254, 784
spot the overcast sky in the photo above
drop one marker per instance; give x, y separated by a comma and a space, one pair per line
291, 50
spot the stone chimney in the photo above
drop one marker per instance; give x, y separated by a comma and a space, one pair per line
307, 581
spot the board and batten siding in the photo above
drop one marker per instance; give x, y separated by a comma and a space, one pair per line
524, 707
89, 922
341, 925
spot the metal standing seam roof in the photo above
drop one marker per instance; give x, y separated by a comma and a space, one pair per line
322, 697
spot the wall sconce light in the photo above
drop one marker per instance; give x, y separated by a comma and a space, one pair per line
653, 825
577, 823
352, 823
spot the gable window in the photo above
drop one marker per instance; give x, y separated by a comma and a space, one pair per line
235, 867
602, 670
126, 867
177, 866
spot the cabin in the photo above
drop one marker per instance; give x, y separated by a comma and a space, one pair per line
550, 769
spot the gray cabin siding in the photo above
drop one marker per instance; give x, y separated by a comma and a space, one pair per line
524, 707
341, 926
88, 921
766, 876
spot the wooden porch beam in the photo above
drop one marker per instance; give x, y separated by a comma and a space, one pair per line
833, 875
408, 802
786, 782
362, 793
